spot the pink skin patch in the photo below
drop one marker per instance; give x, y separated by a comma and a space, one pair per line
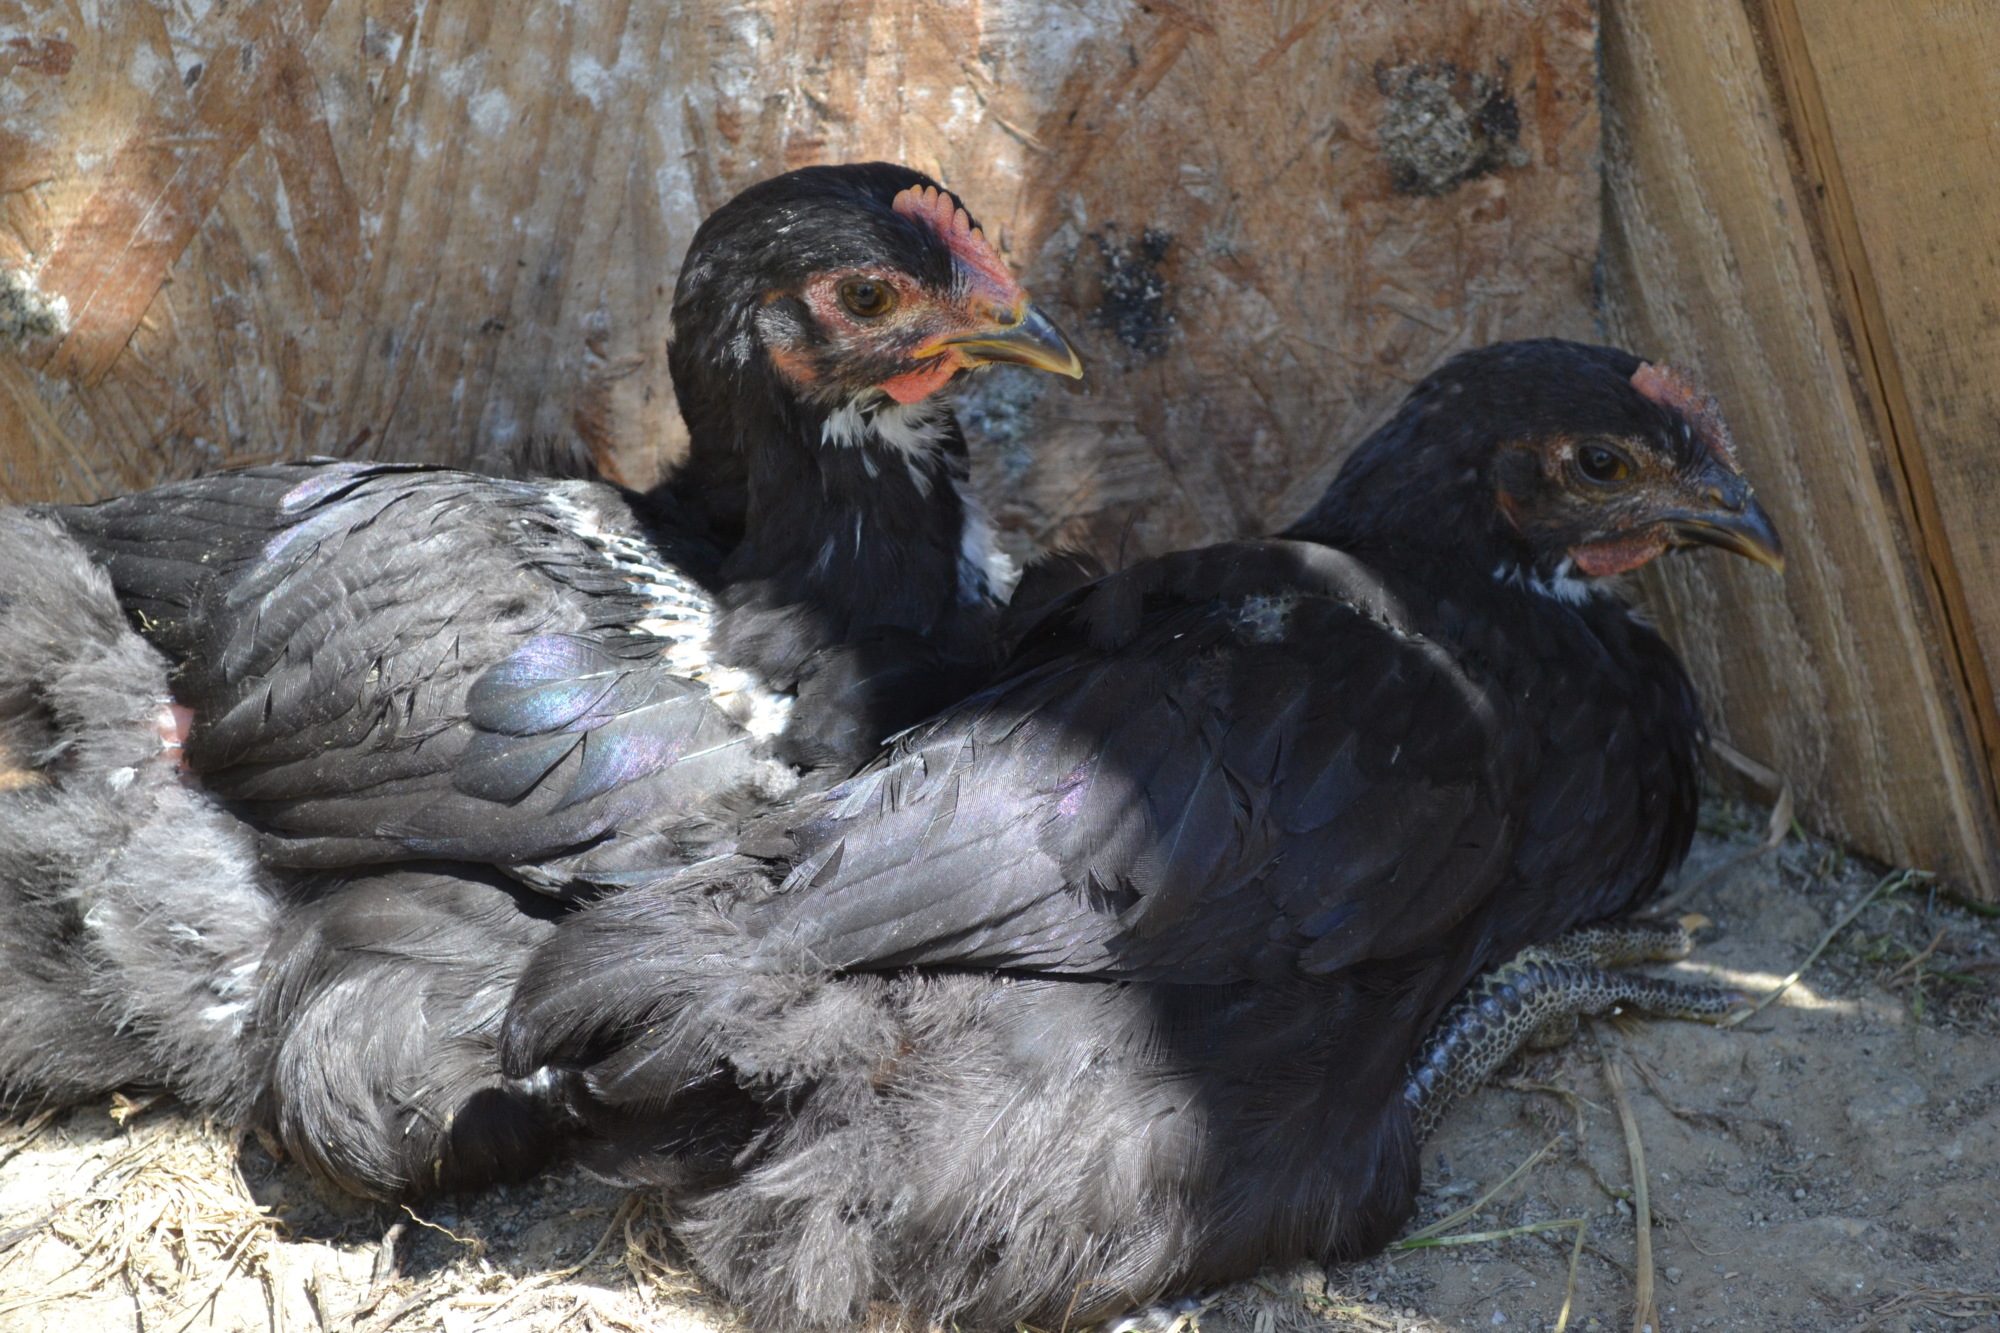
173, 723
794, 366
1673, 389
916, 385
1618, 555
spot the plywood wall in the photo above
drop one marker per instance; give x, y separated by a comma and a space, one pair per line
445, 228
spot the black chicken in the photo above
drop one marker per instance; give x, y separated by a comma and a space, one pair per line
563, 679
1110, 982
385, 662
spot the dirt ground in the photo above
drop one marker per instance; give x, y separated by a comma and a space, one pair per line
1834, 1163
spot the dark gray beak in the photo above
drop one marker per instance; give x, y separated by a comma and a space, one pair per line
1730, 518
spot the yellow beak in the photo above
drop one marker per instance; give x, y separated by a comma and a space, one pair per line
1030, 338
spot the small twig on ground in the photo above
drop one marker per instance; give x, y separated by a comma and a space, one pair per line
1804, 1166
1471, 1210
620, 1224
1327, 1305
421, 1301
316, 1300
473, 1243
1482, 1237
32, 1130
1432, 1237
1780, 823
1689, 1114
1687, 1238
1569, 1288
621, 1219
1890, 883
126, 1109
1964, 1305
1581, 1225
1645, 1318
1919, 959
1569, 1096
232, 1259
1582, 1155
388, 1257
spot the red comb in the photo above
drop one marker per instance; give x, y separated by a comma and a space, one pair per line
1674, 389
953, 225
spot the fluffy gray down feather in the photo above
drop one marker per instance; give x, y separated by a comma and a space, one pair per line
134, 909
985, 1150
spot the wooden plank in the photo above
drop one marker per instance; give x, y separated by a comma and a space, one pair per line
1844, 675
1899, 112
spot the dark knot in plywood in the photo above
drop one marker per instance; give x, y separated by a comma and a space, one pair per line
1133, 292
25, 313
1443, 126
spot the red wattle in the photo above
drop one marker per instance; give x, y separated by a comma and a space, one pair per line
917, 385
1618, 556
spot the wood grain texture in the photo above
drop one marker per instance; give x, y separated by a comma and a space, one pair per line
1899, 114
422, 229
1843, 676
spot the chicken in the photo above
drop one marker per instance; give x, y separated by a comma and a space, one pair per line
1113, 982
387, 662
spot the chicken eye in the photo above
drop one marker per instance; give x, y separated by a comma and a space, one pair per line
1602, 465
870, 298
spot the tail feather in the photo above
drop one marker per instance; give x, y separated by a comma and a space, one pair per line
628, 978
682, 1037
383, 998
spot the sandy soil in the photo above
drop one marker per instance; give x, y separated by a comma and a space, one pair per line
1834, 1163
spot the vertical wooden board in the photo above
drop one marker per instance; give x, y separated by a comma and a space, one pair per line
1911, 100
1839, 675
451, 229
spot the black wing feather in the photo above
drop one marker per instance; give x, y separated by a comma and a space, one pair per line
1121, 810
390, 661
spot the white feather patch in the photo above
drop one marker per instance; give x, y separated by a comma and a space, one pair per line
984, 570
1261, 618
913, 430
1563, 585
679, 612
224, 1015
